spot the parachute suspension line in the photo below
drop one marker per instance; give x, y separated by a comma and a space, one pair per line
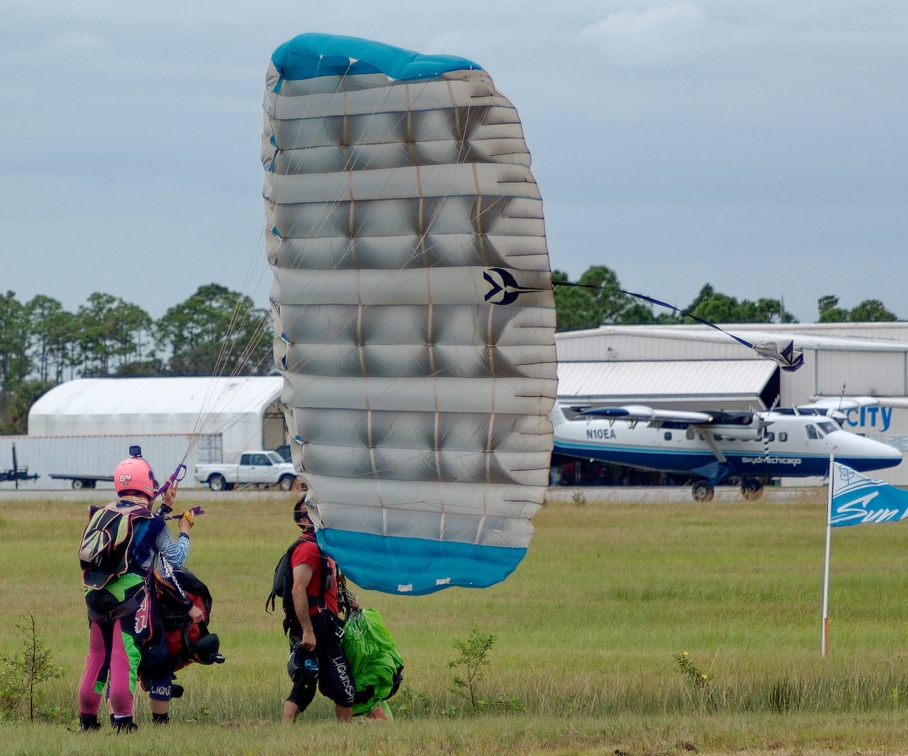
490, 433
350, 165
422, 231
352, 235
204, 421
789, 358
490, 348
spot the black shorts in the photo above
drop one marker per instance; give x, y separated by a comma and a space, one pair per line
335, 679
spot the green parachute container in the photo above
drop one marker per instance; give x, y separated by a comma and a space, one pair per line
375, 662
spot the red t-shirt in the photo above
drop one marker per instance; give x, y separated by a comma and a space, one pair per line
308, 553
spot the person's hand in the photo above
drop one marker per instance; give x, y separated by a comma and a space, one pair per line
196, 614
308, 641
186, 521
170, 495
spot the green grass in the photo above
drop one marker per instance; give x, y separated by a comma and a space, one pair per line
587, 634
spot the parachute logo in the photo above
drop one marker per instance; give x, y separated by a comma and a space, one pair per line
94, 546
503, 287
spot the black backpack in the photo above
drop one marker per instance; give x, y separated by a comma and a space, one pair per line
282, 586
104, 549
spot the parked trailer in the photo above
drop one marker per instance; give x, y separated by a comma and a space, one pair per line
83, 481
61, 460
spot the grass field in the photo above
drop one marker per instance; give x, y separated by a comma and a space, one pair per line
588, 632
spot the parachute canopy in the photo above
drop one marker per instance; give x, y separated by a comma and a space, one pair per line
413, 310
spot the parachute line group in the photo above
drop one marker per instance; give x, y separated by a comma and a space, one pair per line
425, 473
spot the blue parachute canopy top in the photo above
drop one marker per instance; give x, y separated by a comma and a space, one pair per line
312, 55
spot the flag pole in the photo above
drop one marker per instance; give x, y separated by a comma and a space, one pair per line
824, 643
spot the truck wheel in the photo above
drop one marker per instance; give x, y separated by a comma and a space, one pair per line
217, 483
77, 484
286, 482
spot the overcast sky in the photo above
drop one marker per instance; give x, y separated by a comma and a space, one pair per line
758, 146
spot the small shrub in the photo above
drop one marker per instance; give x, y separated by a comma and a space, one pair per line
699, 682
474, 655
20, 674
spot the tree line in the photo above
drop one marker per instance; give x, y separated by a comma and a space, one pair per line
217, 331
597, 298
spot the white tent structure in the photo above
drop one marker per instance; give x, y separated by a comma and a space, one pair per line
243, 412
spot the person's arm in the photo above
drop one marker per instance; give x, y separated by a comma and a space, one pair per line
302, 574
174, 552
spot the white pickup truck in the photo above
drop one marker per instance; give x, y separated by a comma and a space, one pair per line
266, 468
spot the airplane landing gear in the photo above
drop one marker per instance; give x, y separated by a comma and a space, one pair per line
701, 490
751, 489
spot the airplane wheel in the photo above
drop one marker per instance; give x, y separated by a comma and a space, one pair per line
751, 490
702, 491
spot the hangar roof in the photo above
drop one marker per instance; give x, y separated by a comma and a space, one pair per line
159, 396
729, 382
234, 408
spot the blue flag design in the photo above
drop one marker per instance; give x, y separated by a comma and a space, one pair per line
857, 499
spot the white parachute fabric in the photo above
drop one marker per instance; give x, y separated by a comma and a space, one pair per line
413, 310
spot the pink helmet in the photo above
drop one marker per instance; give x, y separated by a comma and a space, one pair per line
134, 474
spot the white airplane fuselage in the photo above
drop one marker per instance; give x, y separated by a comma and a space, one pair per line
775, 444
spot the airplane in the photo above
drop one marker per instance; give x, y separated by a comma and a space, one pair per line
745, 447
16, 473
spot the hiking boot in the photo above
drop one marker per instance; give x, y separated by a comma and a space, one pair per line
89, 723
160, 719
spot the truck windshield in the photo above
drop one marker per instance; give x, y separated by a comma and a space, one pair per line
276, 459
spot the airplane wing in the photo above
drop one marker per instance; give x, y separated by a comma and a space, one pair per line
836, 406
634, 413
641, 412
843, 402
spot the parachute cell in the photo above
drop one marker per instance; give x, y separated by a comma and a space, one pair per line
413, 310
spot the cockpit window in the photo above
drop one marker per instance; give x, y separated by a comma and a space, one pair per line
828, 427
812, 431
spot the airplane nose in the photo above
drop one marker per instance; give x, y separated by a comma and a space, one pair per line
864, 454
893, 453
878, 454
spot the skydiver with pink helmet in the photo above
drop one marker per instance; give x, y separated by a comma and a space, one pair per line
119, 547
